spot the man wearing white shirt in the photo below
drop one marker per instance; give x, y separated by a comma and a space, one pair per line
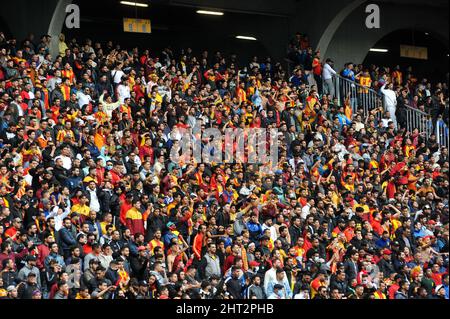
117, 74
108, 105
328, 73
268, 224
84, 98
94, 204
306, 209
123, 91
271, 274
58, 215
67, 161
390, 100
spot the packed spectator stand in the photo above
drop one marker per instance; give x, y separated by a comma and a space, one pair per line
92, 207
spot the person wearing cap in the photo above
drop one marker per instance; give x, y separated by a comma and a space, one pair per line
234, 284
385, 264
335, 162
440, 293
26, 288
140, 264
30, 267
12, 292
143, 291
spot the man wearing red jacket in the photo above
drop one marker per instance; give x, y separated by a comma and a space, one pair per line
44, 250
8, 253
134, 219
198, 242
395, 287
125, 207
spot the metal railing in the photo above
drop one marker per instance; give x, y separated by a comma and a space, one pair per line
360, 97
416, 119
442, 133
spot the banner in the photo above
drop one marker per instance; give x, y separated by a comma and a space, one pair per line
413, 52
137, 25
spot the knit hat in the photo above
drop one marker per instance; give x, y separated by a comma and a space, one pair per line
10, 288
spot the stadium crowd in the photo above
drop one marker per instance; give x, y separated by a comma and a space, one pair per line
92, 207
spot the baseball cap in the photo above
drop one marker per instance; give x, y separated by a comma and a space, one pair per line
386, 252
143, 283
170, 225
142, 248
31, 258
278, 287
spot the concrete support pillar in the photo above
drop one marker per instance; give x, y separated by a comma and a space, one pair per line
57, 24
334, 25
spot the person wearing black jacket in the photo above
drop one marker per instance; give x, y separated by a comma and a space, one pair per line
67, 238
109, 201
25, 289
401, 109
385, 264
115, 243
155, 222
104, 85
255, 291
61, 174
9, 275
112, 272
233, 284
140, 264
295, 230
351, 266
339, 282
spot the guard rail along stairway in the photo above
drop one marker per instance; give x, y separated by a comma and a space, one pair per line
368, 100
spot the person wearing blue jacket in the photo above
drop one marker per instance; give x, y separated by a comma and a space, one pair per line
254, 227
66, 237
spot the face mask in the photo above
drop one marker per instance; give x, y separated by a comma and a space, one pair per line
109, 168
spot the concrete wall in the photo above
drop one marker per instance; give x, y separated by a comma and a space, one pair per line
337, 28
352, 40
24, 17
